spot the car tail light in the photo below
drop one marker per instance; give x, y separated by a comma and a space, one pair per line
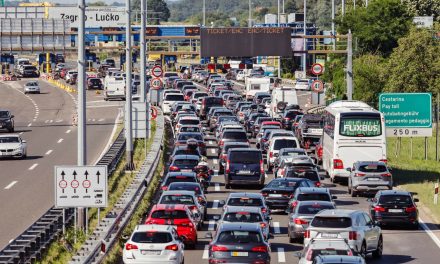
320, 152
294, 204
411, 209
263, 210
218, 248
259, 249
299, 221
384, 160
352, 235
227, 170
129, 246
271, 154
192, 207
307, 234
285, 195
349, 253
173, 247
358, 174
309, 255
241, 114
261, 167
224, 156
338, 164
286, 118
386, 175
317, 184
201, 144
379, 208
264, 194
263, 225
164, 188
174, 168
221, 143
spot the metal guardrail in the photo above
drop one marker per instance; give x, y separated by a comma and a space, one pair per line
106, 234
31, 245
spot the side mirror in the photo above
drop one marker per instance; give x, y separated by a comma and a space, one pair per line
390, 169
334, 197
125, 238
12, 116
348, 169
208, 235
416, 200
321, 177
23, 141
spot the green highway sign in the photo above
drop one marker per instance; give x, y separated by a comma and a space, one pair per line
407, 114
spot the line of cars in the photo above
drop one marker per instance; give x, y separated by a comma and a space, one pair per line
11, 145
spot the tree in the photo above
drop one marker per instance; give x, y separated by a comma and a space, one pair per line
378, 26
424, 8
158, 8
414, 65
290, 6
97, 3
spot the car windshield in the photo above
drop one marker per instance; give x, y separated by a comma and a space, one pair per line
331, 222
185, 163
185, 187
312, 209
240, 237
282, 184
188, 136
32, 84
152, 237
189, 122
244, 201
177, 199
9, 140
284, 143
372, 168
174, 97
395, 199
169, 214
235, 135
313, 197
243, 217
4, 114
180, 179
246, 157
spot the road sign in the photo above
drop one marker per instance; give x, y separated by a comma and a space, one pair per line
317, 69
300, 75
407, 114
317, 86
156, 83
153, 113
81, 186
102, 16
157, 71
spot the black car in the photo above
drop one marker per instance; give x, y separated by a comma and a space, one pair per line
288, 117
223, 155
178, 177
239, 243
392, 207
59, 58
207, 103
244, 166
278, 192
6, 121
94, 83
182, 139
184, 163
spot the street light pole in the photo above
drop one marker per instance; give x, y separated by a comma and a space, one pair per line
128, 105
305, 40
333, 25
343, 7
279, 58
204, 12
349, 66
143, 70
250, 14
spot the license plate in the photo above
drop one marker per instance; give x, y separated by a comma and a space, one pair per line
275, 195
150, 252
244, 172
373, 179
395, 210
186, 170
239, 254
329, 235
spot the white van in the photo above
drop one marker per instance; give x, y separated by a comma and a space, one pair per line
278, 143
115, 89
286, 95
254, 85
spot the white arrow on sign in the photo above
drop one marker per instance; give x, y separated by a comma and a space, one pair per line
157, 71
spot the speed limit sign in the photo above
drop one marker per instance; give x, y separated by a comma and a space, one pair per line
317, 86
156, 83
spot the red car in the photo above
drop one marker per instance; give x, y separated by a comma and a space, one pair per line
177, 215
271, 123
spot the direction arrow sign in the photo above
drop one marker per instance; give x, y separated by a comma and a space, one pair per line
317, 69
156, 83
81, 186
157, 71
317, 86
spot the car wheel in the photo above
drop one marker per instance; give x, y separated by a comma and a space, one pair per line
415, 226
227, 185
11, 130
363, 252
183, 261
378, 252
24, 156
349, 187
354, 193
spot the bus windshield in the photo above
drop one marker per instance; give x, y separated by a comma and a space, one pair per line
360, 126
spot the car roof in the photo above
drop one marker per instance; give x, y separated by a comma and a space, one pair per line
394, 192
235, 143
359, 163
239, 226
293, 150
283, 138
181, 173
244, 150
145, 228
189, 117
192, 157
301, 203
185, 183
312, 190
177, 192
250, 209
337, 212
168, 207
245, 194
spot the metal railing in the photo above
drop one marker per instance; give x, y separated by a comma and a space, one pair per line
35, 240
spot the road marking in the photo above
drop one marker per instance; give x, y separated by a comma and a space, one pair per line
217, 187
430, 233
211, 225
276, 227
215, 204
211, 142
215, 173
10, 185
51, 121
215, 161
206, 252
48, 152
33, 166
281, 255
101, 119
30, 124
59, 121
93, 120
68, 131
60, 140
47, 121
21, 133
212, 151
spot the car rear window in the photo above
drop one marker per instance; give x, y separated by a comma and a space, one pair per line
223, 113
184, 187
243, 217
328, 251
395, 199
310, 175
282, 184
152, 237
188, 136
239, 236
246, 157
185, 163
177, 199
313, 197
291, 115
331, 222
293, 153
180, 179
312, 209
214, 101
190, 129
174, 97
235, 135
227, 118
284, 143
245, 202
372, 168
228, 147
169, 214
189, 122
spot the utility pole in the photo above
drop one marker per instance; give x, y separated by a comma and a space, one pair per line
343, 7
333, 25
250, 14
283, 7
128, 106
279, 58
305, 39
144, 92
204, 13
349, 65
81, 107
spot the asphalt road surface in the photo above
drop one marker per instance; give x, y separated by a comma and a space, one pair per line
45, 122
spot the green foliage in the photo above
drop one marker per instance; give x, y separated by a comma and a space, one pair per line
335, 74
414, 65
97, 3
378, 26
424, 8
159, 9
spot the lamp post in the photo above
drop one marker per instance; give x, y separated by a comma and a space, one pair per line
250, 14
204, 13
305, 40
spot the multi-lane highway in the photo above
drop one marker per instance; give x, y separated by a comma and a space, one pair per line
45, 122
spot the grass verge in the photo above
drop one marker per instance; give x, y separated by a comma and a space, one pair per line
64, 248
415, 174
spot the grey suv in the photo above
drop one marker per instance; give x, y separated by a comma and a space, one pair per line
369, 176
6, 121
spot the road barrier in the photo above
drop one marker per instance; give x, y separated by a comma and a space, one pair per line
30, 246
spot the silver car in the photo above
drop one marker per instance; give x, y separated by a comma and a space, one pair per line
12, 146
369, 176
363, 235
335, 259
32, 87
324, 247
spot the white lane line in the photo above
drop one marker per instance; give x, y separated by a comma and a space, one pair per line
217, 187
430, 233
211, 225
211, 142
215, 161
30, 124
93, 120
212, 151
206, 252
47, 121
21, 133
60, 140
281, 255
59, 121
215, 204
68, 131
215, 173
276, 227
101, 119
10, 185
49, 151
33, 166
50, 121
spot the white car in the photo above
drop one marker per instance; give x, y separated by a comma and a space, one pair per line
302, 84
169, 100
12, 146
154, 244
278, 143
32, 87
240, 76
